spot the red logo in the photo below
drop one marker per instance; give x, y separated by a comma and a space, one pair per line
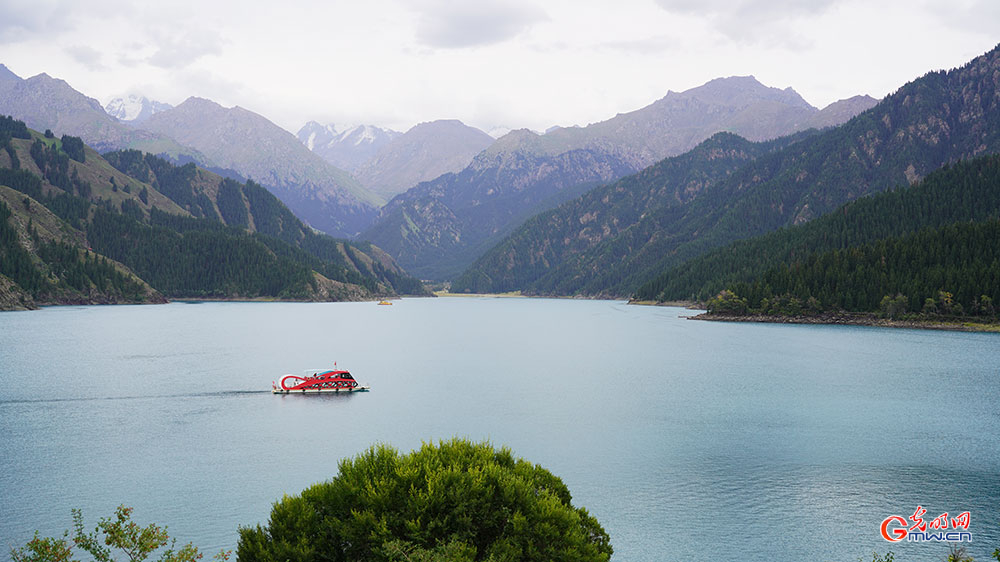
898, 533
896, 527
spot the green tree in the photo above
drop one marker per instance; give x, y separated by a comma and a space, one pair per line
893, 307
728, 302
113, 534
456, 500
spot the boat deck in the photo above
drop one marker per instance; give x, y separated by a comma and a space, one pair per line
321, 390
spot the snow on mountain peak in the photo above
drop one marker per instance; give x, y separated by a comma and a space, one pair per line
134, 107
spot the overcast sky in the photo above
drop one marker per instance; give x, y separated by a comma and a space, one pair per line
490, 63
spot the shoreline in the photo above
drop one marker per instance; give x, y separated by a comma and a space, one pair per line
853, 320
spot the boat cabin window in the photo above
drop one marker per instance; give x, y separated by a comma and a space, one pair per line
346, 376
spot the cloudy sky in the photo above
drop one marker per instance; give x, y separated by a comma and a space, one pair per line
490, 63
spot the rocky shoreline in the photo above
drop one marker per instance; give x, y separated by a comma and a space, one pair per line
853, 320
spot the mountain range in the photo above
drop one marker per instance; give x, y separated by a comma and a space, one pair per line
939, 118
679, 121
439, 228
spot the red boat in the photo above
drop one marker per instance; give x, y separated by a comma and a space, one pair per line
316, 381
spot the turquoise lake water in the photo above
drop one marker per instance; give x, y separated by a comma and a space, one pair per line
687, 440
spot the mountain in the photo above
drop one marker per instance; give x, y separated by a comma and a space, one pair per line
679, 121
43, 102
183, 230
134, 108
439, 227
437, 230
423, 153
939, 118
240, 140
770, 265
348, 149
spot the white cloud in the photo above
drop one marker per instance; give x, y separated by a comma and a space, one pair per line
768, 22
87, 56
395, 63
459, 23
180, 48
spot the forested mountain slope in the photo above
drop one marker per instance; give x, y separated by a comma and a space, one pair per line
968, 191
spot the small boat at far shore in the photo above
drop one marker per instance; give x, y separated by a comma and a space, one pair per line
318, 381
383, 302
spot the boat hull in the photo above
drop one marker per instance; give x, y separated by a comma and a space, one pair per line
321, 390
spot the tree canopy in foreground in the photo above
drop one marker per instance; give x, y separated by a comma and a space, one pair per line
456, 500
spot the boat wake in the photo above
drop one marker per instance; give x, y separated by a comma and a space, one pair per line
217, 393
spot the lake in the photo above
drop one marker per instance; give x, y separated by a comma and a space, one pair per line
687, 440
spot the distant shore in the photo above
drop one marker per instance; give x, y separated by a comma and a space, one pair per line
512, 294
682, 304
854, 320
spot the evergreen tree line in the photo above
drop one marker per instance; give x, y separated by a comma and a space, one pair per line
175, 182
961, 192
951, 270
199, 262
11, 128
15, 261
86, 271
54, 164
70, 208
61, 270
